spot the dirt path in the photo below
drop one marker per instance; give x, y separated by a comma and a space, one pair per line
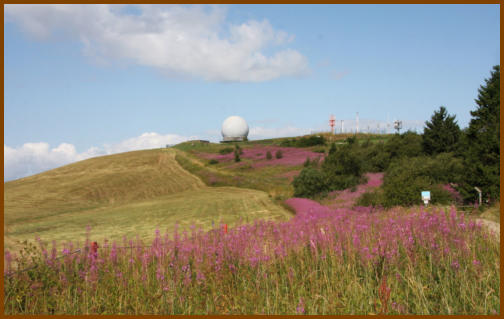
490, 225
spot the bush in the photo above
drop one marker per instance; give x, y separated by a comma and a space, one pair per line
367, 143
310, 141
351, 140
319, 150
341, 182
373, 198
406, 178
408, 144
213, 161
279, 154
344, 162
268, 155
287, 142
378, 159
304, 141
339, 170
307, 162
332, 149
315, 162
237, 156
309, 183
225, 150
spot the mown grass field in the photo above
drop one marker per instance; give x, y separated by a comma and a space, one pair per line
120, 195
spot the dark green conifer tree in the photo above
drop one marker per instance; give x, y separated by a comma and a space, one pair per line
482, 155
441, 134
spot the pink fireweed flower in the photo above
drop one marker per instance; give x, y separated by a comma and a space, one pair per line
187, 279
200, 277
300, 307
159, 273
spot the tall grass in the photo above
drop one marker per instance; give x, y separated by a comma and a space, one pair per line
321, 261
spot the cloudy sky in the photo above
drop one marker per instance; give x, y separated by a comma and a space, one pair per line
89, 80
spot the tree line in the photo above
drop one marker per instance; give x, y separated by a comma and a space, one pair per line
442, 159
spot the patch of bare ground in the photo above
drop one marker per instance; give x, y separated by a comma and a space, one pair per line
492, 226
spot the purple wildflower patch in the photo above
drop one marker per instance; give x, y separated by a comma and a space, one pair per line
292, 156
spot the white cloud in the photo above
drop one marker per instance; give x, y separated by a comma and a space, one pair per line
33, 158
194, 41
146, 141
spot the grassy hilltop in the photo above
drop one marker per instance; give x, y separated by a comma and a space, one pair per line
120, 195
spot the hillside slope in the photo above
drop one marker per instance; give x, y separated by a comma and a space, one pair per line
120, 195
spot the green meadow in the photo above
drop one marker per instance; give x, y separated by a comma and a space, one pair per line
127, 194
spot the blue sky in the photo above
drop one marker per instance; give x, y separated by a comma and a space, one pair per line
145, 76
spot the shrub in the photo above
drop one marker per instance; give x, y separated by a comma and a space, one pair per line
340, 182
344, 162
310, 141
367, 143
279, 154
319, 150
225, 150
304, 141
332, 149
287, 142
307, 162
351, 140
309, 183
213, 161
237, 156
268, 155
440, 195
339, 170
378, 159
408, 144
373, 198
406, 178
315, 162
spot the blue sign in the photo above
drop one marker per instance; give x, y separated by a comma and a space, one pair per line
425, 195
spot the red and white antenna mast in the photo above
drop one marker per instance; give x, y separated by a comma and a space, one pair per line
331, 123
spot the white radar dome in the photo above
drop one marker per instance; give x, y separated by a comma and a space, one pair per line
234, 128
